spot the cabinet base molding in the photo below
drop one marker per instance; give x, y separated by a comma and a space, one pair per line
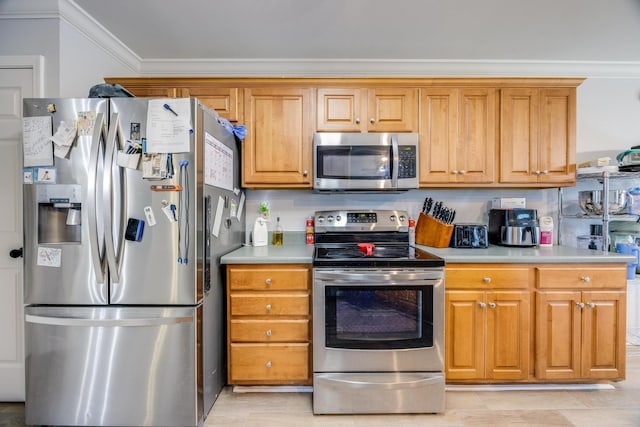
527, 387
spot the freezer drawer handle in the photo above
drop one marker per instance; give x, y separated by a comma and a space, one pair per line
66, 321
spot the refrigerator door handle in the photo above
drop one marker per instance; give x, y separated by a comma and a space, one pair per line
99, 135
111, 203
74, 321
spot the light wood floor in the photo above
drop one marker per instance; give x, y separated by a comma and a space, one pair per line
602, 408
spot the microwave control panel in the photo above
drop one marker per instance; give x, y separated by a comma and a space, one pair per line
407, 161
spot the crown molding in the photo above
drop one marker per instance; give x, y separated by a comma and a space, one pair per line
75, 16
388, 68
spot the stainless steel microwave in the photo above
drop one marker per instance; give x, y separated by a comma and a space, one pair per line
365, 161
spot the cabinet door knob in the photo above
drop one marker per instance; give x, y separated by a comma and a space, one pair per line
268, 307
268, 281
268, 364
585, 279
454, 171
462, 172
482, 304
536, 172
486, 279
580, 304
544, 172
305, 172
591, 304
372, 120
357, 120
492, 305
268, 332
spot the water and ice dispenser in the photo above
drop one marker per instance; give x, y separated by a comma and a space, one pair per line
59, 213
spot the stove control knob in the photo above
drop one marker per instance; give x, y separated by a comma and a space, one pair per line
338, 218
320, 219
392, 218
330, 218
403, 218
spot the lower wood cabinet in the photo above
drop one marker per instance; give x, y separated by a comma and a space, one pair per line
269, 324
487, 325
581, 323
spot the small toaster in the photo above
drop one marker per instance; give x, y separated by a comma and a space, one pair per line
469, 236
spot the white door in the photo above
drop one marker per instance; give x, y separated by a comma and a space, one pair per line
15, 84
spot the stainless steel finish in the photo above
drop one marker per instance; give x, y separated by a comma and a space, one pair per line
346, 139
96, 247
80, 279
354, 360
378, 393
520, 236
336, 220
121, 333
134, 359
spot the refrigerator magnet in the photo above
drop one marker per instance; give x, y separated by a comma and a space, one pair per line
27, 176
49, 257
45, 175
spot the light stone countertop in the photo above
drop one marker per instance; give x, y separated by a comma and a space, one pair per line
303, 254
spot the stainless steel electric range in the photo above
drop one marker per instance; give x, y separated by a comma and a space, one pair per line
378, 317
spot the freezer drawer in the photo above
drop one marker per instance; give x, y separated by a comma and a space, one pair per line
108, 366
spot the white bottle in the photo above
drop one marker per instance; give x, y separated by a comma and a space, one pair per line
546, 231
260, 232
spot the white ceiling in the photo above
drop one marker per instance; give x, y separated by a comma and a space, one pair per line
545, 30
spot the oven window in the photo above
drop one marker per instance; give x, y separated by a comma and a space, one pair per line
380, 317
354, 162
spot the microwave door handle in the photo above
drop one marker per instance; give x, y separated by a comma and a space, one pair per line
395, 162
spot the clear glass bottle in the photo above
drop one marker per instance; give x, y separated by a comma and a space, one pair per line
278, 234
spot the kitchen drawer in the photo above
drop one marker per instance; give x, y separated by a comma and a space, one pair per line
481, 276
269, 304
260, 277
279, 363
249, 330
582, 276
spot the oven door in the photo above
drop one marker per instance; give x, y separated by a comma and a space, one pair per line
376, 320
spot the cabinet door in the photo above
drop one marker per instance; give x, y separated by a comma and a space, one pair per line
477, 133
392, 110
438, 133
153, 91
603, 334
226, 101
277, 150
340, 110
519, 130
558, 335
508, 335
464, 335
557, 141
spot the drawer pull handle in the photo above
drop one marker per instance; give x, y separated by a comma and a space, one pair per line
586, 279
482, 305
268, 364
268, 332
580, 304
268, 307
492, 305
268, 281
591, 304
486, 279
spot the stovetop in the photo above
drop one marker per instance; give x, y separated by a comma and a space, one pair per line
350, 255
372, 238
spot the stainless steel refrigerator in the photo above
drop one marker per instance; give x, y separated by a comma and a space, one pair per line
124, 294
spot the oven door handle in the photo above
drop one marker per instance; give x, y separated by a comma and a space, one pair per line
383, 278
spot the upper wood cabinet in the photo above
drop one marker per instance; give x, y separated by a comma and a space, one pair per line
227, 102
277, 149
385, 109
537, 136
458, 135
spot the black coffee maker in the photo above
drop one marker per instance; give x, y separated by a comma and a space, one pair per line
514, 227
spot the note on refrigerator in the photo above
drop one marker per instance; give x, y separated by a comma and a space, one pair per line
218, 163
169, 125
217, 220
36, 135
